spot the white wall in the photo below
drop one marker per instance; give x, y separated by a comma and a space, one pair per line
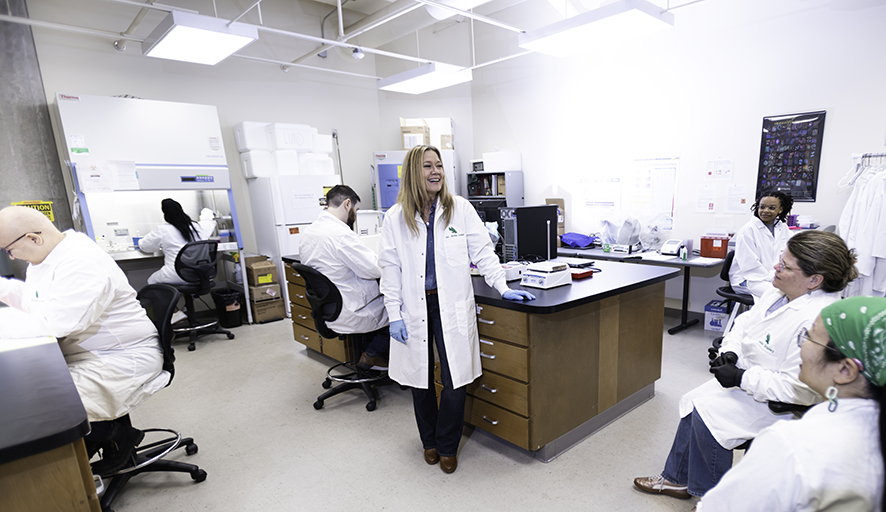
698, 92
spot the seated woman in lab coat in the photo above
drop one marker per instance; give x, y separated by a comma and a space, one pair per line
171, 237
758, 244
758, 362
832, 459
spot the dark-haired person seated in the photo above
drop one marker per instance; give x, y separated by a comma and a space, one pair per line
758, 362
74, 291
758, 244
831, 459
331, 247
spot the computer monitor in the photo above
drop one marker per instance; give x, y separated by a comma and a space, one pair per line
530, 232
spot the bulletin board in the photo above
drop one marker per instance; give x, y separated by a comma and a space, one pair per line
790, 152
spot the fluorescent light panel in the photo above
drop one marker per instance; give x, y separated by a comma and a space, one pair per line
426, 78
196, 38
608, 25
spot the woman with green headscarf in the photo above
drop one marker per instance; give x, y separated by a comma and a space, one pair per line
833, 458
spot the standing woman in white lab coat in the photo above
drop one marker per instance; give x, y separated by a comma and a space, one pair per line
758, 244
170, 238
429, 239
832, 459
758, 362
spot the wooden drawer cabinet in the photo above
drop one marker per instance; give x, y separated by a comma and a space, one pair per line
504, 324
302, 316
498, 421
501, 391
292, 275
504, 358
297, 295
305, 336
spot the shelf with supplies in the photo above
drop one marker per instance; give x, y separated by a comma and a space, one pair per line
501, 185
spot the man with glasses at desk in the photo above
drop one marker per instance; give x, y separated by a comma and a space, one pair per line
74, 291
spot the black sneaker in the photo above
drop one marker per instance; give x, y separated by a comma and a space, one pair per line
118, 450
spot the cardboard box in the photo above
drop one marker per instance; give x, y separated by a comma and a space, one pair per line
715, 316
264, 292
261, 273
249, 260
714, 246
414, 135
441, 130
265, 310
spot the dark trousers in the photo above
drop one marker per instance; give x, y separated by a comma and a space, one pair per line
696, 460
376, 343
441, 427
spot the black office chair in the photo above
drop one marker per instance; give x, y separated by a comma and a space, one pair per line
326, 304
197, 265
159, 301
738, 302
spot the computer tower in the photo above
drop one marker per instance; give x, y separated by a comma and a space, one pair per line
530, 232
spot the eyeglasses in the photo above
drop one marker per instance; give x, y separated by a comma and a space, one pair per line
803, 336
781, 267
6, 249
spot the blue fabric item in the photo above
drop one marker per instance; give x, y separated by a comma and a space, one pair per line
398, 331
577, 240
441, 427
430, 262
696, 460
517, 295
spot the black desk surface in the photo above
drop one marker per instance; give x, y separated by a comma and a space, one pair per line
41, 409
637, 257
614, 279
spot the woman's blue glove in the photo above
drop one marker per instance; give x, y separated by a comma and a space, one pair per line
398, 331
517, 295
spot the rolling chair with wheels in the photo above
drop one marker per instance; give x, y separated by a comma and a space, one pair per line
326, 304
738, 302
196, 264
159, 301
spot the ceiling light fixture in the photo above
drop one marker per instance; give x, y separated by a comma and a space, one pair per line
196, 38
610, 24
358, 53
426, 78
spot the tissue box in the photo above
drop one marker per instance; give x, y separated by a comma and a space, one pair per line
715, 316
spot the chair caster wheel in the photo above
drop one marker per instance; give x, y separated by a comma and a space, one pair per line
230, 336
192, 347
318, 404
191, 449
370, 406
198, 475
326, 384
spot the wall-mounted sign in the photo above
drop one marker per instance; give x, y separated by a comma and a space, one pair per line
790, 152
44, 207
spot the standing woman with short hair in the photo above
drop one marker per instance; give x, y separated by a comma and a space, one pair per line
428, 241
759, 243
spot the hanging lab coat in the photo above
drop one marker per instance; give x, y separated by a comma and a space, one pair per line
168, 239
756, 252
79, 295
332, 248
767, 349
861, 225
402, 258
825, 461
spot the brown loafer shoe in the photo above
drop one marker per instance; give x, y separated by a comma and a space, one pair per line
449, 464
658, 485
372, 363
431, 456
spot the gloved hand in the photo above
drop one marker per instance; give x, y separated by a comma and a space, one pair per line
398, 331
517, 295
724, 358
713, 353
728, 375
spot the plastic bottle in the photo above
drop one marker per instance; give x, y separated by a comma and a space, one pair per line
684, 253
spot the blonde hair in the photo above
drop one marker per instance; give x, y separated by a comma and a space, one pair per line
413, 195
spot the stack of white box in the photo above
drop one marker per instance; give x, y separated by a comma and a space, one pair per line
282, 149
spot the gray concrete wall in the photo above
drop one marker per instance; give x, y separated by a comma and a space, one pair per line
29, 163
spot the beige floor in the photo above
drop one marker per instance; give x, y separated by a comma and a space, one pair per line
248, 404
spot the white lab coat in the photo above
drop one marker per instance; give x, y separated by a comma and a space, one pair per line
767, 349
756, 252
861, 225
332, 248
402, 258
168, 239
825, 461
79, 295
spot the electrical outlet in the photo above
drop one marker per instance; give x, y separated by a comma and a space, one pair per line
121, 231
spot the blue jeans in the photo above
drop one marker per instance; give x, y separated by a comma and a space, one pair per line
441, 427
696, 460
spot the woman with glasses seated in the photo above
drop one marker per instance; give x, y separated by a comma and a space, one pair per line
832, 459
758, 362
758, 244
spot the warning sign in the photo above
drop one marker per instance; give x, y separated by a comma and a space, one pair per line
44, 207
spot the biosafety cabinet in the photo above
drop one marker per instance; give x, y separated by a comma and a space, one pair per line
387, 169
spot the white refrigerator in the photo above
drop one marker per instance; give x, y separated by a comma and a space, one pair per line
282, 206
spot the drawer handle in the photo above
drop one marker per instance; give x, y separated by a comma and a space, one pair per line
491, 390
487, 356
486, 342
304, 337
487, 322
300, 296
494, 422
303, 317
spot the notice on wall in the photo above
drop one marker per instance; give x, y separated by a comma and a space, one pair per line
44, 207
602, 196
93, 177
123, 174
737, 199
718, 170
654, 187
706, 199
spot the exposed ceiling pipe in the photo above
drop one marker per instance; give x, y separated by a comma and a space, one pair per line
471, 15
323, 25
68, 28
